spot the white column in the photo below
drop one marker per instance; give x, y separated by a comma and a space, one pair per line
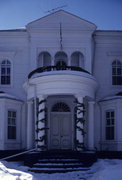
91, 125
79, 125
41, 123
36, 119
52, 59
69, 60
30, 125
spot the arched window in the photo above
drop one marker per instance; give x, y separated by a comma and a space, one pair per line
60, 107
116, 73
44, 59
77, 59
61, 59
5, 72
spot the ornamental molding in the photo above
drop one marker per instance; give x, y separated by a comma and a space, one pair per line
7, 53
114, 53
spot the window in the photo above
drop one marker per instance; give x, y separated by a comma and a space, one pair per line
77, 59
61, 65
60, 107
61, 58
110, 122
5, 72
117, 73
44, 59
11, 124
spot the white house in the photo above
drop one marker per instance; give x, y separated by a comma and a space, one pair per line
61, 86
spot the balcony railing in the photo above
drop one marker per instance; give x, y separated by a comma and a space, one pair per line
56, 68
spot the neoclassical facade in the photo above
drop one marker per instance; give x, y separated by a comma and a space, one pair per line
61, 86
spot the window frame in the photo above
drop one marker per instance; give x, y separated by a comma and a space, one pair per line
110, 125
7, 66
42, 60
12, 126
116, 72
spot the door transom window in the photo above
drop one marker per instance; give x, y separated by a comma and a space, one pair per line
60, 107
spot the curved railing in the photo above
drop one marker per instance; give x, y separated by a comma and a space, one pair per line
56, 68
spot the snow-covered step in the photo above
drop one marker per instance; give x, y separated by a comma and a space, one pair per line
56, 170
59, 160
58, 165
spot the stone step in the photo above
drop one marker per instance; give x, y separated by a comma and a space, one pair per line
53, 160
56, 170
58, 165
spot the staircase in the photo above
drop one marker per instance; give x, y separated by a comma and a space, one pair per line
59, 162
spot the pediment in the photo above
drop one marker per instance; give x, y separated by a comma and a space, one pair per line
68, 21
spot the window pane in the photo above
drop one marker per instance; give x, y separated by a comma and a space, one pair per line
119, 80
112, 133
110, 115
107, 133
119, 72
3, 80
107, 114
108, 122
114, 80
3, 71
13, 121
11, 125
9, 121
11, 132
112, 121
14, 114
9, 113
8, 70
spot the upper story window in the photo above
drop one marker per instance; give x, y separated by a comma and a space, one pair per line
116, 73
11, 124
5, 72
60, 65
44, 59
110, 125
77, 59
61, 59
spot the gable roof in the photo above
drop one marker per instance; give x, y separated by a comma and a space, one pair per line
63, 17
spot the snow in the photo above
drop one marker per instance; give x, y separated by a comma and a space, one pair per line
103, 169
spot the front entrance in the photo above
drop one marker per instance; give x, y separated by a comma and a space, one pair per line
61, 129
61, 134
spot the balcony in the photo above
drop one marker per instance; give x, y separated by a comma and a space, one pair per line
60, 80
56, 68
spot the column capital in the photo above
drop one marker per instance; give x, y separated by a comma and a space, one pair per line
41, 96
91, 102
79, 96
30, 102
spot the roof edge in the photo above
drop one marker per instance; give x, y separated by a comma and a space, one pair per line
64, 12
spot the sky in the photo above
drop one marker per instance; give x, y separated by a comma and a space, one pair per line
106, 14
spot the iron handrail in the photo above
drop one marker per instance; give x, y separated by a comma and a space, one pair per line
56, 68
18, 154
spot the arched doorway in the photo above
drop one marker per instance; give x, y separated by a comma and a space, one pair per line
60, 126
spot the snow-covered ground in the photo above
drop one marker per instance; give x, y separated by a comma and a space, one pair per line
101, 170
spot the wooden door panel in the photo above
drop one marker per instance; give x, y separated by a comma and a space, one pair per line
60, 131
65, 125
55, 132
66, 136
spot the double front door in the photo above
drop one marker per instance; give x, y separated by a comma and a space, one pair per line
60, 130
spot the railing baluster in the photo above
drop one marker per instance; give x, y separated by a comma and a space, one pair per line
56, 68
